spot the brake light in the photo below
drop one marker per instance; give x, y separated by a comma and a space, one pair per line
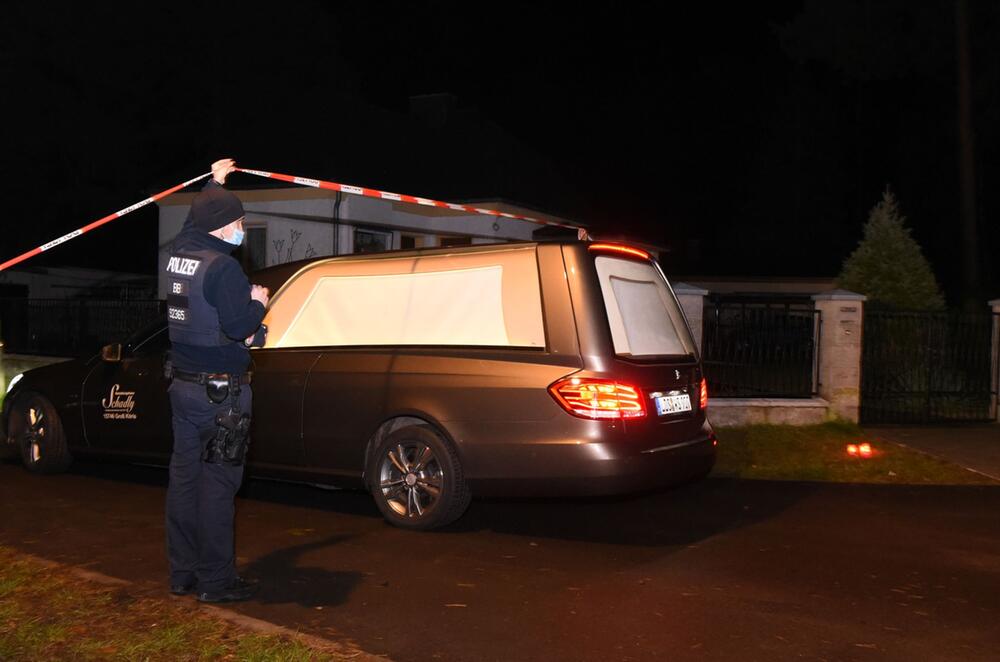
598, 398
619, 249
703, 397
860, 450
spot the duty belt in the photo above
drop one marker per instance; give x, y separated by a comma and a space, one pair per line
206, 377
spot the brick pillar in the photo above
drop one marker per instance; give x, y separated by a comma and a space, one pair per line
692, 300
995, 355
841, 314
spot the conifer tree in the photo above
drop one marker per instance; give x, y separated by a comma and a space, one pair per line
888, 265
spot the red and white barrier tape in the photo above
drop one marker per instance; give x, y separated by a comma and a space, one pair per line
399, 197
315, 183
99, 222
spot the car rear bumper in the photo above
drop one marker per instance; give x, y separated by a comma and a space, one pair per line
612, 463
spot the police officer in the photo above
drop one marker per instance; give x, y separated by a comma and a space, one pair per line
214, 316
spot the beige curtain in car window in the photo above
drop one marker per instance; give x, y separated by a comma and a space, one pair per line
645, 318
456, 307
648, 328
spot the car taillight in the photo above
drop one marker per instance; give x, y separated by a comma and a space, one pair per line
703, 398
598, 398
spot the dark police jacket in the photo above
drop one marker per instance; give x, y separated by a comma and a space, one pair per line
209, 309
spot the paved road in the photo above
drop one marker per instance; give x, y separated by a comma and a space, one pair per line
720, 570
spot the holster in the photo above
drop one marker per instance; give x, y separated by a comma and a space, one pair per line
230, 439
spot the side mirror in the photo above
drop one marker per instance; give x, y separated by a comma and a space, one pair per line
112, 353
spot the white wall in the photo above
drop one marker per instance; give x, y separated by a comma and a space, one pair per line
368, 211
287, 239
290, 240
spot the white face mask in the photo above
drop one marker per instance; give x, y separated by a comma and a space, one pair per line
236, 239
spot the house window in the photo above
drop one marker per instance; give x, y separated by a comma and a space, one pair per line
456, 241
255, 250
411, 241
371, 241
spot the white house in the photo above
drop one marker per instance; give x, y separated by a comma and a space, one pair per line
287, 224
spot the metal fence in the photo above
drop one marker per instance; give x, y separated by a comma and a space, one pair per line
926, 367
760, 349
71, 327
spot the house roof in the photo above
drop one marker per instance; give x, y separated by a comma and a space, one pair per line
309, 193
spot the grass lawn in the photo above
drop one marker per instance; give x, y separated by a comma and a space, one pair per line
49, 614
818, 452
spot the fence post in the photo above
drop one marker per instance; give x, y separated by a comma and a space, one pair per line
995, 358
841, 316
692, 300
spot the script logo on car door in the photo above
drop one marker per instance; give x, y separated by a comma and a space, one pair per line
119, 404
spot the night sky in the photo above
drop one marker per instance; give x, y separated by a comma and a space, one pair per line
748, 140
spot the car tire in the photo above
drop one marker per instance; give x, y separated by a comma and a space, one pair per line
38, 433
417, 480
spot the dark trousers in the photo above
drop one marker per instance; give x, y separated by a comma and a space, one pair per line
200, 496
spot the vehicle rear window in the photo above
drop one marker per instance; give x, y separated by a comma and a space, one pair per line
488, 298
646, 320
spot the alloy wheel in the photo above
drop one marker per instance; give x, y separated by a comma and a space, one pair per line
411, 479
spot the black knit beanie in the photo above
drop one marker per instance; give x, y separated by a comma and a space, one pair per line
215, 207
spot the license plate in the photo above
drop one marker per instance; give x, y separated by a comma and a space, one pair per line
673, 404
